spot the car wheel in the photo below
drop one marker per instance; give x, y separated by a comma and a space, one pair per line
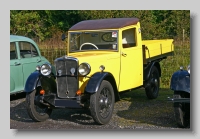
182, 110
153, 84
36, 110
102, 103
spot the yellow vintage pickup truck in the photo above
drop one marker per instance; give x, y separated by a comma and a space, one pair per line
104, 57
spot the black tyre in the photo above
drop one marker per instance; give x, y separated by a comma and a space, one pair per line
182, 110
153, 84
102, 103
36, 110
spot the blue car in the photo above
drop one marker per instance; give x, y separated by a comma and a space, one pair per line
180, 84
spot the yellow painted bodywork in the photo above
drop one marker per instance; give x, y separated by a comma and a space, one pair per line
126, 65
111, 61
158, 47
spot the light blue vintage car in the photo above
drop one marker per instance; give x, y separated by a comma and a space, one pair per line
24, 57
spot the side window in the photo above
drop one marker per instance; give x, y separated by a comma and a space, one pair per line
27, 50
13, 51
129, 38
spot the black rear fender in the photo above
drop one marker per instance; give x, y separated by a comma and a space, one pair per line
148, 68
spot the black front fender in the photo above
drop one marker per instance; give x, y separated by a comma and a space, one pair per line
95, 81
32, 82
36, 79
180, 81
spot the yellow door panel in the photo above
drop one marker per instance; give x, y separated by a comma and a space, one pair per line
131, 74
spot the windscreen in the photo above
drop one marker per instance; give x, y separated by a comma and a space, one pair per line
93, 41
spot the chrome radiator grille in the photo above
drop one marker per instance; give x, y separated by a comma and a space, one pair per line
67, 84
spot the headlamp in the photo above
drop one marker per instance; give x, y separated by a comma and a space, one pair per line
84, 69
45, 69
188, 69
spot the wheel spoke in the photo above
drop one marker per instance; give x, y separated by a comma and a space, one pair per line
40, 109
152, 86
104, 102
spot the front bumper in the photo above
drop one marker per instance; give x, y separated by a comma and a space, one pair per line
73, 102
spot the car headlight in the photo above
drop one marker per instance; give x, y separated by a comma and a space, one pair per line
45, 69
84, 69
188, 69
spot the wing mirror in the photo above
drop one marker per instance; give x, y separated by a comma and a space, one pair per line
63, 37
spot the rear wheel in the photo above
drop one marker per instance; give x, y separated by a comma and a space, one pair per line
102, 103
153, 84
36, 110
182, 110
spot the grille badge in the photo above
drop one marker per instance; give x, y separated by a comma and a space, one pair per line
59, 72
72, 70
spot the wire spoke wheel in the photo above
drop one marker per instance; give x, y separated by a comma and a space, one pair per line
102, 103
105, 102
153, 84
36, 110
182, 110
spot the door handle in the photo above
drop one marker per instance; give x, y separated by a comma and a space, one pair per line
17, 63
38, 60
124, 54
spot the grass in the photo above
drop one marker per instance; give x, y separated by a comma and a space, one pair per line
171, 64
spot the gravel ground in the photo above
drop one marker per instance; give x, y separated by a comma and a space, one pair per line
81, 119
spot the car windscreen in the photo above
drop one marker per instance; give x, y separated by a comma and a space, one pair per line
93, 41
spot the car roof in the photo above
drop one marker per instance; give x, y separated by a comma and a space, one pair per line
108, 23
15, 38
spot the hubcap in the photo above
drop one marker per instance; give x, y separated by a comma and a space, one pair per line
40, 109
153, 83
105, 100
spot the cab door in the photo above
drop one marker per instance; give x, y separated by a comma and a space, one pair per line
131, 73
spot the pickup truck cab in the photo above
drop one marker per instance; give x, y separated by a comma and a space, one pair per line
104, 58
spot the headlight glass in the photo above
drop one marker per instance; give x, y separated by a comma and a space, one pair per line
45, 69
84, 69
188, 69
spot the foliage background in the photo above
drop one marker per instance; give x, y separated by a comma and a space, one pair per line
44, 24
47, 26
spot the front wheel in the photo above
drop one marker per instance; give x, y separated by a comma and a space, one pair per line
36, 110
182, 110
153, 84
102, 103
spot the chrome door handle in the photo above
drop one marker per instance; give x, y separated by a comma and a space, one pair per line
124, 54
38, 60
17, 63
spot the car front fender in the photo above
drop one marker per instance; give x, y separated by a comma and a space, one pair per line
36, 79
180, 81
95, 81
32, 82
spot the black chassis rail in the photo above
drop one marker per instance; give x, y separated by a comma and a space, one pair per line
179, 100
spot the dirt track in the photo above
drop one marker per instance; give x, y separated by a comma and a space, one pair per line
81, 119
